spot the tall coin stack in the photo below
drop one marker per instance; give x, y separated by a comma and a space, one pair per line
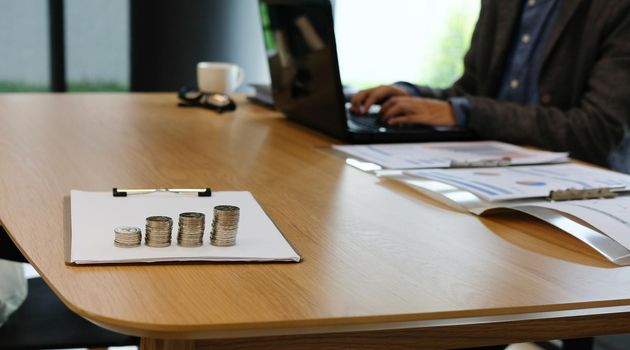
158, 231
191, 227
127, 237
224, 225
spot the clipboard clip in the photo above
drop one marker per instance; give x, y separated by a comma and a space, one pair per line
587, 193
483, 163
201, 192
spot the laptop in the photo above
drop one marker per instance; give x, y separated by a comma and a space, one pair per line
306, 86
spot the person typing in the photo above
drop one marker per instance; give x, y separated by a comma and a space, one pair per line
548, 73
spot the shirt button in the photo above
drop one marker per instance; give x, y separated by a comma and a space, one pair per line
525, 38
514, 83
531, 2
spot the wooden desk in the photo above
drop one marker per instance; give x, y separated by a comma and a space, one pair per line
384, 266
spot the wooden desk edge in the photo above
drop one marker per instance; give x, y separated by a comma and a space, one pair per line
533, 326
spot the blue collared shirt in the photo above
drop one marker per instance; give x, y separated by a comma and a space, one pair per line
522, 70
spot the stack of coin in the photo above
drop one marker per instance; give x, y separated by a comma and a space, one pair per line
127, 237
191, 227
224, 225
158, 231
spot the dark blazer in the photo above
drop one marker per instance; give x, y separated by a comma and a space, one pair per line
584, 82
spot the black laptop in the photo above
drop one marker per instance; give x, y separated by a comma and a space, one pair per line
300, 43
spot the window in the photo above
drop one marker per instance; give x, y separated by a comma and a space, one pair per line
94, 45
421, 41
97, 45
25, 62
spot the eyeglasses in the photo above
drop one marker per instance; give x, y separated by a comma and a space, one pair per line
217, 102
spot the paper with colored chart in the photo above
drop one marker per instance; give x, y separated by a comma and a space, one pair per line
441, 154
508, 183
602, 224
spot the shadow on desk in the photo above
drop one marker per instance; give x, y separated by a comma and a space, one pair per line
543, 238
521, 230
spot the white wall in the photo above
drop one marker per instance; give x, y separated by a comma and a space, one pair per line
245, 45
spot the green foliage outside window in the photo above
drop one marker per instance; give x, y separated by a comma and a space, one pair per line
16, 86
420, 41
446, 65
76, 86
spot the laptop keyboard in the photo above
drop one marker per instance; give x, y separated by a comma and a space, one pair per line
369, 121
373, 122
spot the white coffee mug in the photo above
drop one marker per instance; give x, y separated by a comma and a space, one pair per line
219, 77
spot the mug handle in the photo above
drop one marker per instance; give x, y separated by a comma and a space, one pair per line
240, 78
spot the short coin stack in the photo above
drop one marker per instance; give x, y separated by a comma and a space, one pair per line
224, 225
191, 227
127, 237
158, 231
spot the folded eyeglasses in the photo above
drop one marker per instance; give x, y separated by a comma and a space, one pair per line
218, 102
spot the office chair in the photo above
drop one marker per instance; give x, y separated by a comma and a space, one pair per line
566, 344
44, 322
569, 344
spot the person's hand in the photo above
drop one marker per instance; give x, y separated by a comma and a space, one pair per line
415, 110
364, 99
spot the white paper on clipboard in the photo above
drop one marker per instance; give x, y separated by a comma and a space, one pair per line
94, 215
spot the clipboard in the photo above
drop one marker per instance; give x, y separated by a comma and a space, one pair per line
94, 215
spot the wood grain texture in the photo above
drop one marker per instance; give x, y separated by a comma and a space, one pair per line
167, 344
375, 252
478, 334
452, 333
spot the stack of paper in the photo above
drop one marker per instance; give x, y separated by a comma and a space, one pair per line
441, 154
523, 188
521, 182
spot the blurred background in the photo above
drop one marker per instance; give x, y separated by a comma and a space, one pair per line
153, 45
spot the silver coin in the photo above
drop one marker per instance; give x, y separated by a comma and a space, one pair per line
224, 225
222, 244
127, 236
158, 231
192, 216
191, 229
159, 219
127, 230
226, 208
124, 245
157, 245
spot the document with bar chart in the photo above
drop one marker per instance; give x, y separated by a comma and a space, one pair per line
598, 215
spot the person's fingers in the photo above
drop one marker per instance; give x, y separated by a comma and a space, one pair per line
401, 119
358, 100
394, 107
364, 99
379, 94
390, 103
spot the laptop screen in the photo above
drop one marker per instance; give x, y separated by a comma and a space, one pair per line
300, 43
